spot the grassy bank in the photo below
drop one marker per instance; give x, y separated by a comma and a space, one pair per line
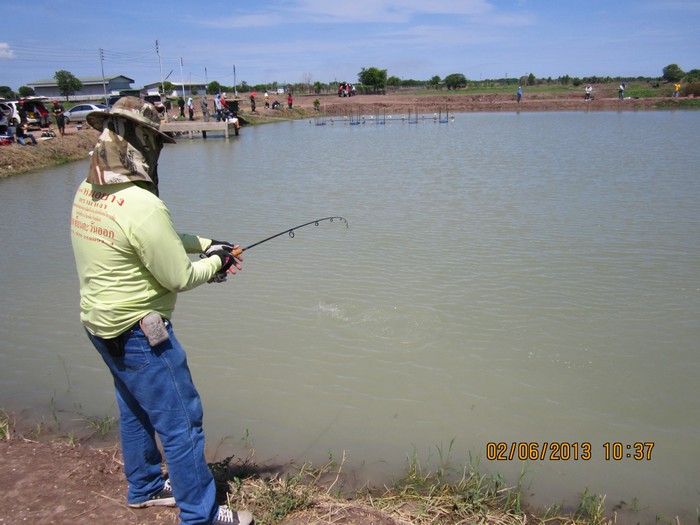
75, 145
285, 494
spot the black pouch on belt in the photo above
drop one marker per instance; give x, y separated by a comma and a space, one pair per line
154, 329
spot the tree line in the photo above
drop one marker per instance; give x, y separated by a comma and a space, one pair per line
376, 80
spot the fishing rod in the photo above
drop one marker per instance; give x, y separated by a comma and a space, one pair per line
291, 231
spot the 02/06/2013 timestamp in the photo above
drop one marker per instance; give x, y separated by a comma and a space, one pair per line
566, 451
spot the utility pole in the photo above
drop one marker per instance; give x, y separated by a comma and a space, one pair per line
182, 78
102, 66
235, 86
162, 82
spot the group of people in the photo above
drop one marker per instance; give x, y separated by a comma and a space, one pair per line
346, 90
10, 133
190, 107
589, 92
223, 108
275, 105
18, 132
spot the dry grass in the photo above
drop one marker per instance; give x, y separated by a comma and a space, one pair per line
316, 496
75, 145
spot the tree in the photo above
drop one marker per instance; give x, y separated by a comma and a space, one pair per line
691, 76
307, 79
434, 82
7, 93
673, 73
455, 81
373, 77
67, 83
531, 80
393, 81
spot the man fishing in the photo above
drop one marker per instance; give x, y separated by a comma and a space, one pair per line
131, 265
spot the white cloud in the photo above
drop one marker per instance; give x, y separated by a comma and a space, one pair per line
5, 51
362, 11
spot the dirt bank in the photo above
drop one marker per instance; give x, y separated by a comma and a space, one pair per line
74, 145
605, 99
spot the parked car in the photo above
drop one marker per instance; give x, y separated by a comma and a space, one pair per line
79, 112
7, 110
37, 114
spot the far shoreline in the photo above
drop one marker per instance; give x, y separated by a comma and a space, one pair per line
80, 139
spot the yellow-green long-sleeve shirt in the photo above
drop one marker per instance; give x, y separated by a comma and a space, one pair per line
129, 257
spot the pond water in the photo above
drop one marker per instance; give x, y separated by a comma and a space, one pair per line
505, 278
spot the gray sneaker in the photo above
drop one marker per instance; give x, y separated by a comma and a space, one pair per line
227, 516
163, 499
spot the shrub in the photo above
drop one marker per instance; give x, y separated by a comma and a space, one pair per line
692, 90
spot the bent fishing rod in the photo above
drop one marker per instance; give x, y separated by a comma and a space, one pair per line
290, 232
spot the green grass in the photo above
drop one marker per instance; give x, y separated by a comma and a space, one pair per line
643, 89
102, 426
421, 496
680, 103
6, 426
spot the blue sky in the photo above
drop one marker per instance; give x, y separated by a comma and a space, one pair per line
291, 41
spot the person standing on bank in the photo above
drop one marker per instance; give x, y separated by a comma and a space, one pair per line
181, 105
60, 119
131, 265
190, 108
22, 113
519, 94
204, 104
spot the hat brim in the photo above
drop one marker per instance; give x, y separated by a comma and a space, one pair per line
97, 118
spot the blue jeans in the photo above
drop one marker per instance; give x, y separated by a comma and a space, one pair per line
155, 394
23, 141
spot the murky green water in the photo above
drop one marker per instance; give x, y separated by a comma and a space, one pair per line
506, 278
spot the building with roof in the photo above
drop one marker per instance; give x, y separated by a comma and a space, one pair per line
190, 88
94, 88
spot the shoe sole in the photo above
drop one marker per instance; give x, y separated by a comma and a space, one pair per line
161, 502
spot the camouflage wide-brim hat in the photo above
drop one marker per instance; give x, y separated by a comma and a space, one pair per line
134, 109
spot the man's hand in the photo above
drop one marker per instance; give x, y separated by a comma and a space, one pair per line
218, 245
229, 262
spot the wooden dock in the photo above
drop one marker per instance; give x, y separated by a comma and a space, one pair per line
199, 126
